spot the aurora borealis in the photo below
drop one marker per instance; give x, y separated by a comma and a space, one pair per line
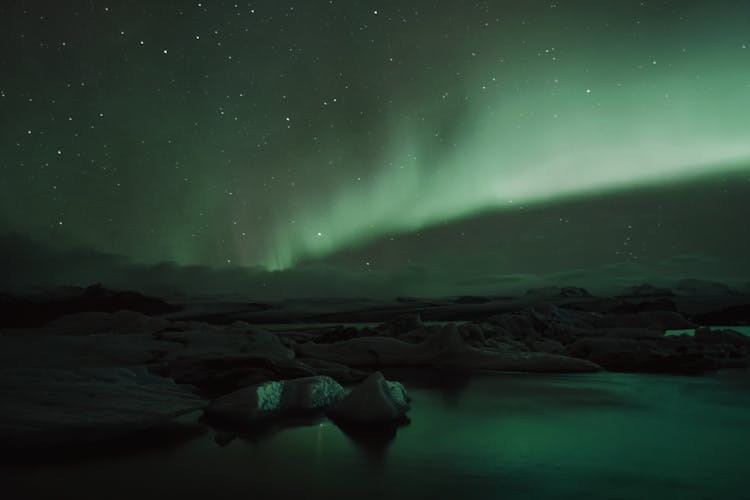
277, 134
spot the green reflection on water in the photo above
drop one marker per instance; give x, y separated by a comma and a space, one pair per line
606, 435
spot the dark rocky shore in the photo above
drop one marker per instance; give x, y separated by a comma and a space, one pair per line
90, 369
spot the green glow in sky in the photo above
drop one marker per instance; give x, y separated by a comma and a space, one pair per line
571, 132
283, 132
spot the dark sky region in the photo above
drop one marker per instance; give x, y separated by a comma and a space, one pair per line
290, 148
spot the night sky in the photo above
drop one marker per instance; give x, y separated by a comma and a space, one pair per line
333, 147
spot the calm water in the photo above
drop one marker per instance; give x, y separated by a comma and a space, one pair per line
603, 436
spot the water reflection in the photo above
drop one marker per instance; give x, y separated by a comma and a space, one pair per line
372, 441
606, 436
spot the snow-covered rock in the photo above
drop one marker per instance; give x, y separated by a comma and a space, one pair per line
703, 288
374, 401
218, 374
239, 337
647, 290
365, 351
445, 348
90, 323
558, 292
275, 399
221, 359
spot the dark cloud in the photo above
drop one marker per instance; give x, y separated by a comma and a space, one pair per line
26, 264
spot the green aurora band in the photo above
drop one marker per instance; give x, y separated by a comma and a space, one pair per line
563, 137
282, 132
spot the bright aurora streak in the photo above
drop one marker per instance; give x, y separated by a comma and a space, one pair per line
278, 133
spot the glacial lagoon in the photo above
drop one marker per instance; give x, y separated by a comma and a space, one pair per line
495, 435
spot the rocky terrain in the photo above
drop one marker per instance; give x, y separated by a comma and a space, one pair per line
126, 368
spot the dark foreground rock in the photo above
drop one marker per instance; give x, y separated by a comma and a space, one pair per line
628, 355
731, 316
727, 337
44, 410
